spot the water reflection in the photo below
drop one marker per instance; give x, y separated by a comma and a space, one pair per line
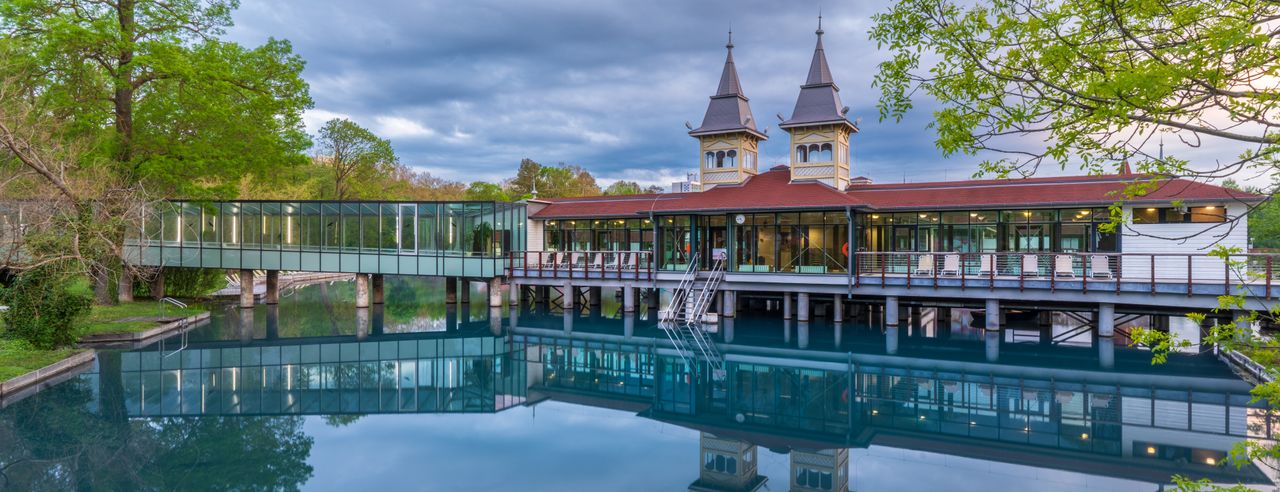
813, 397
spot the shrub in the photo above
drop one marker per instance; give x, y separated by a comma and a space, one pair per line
186, 282
44, 307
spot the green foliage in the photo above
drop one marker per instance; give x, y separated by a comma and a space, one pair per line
18, 357
559, 181
357, 157
186, 282
623, 188
1088, 83
44, 307
166, 100
481, 190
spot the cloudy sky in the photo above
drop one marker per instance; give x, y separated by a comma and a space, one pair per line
464, 90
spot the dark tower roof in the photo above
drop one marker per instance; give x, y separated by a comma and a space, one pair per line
729, 110
819, 100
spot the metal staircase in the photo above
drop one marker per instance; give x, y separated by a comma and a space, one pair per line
682, 320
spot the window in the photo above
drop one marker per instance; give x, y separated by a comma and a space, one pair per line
720, 159
802, 154
711, 160
1169, 215
815, 153
731, 158
826, 152
749, 160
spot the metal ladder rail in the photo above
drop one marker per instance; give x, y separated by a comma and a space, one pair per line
677, 342
708, 292
683, 289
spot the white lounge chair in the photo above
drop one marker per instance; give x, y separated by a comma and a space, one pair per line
630, 263
551, 260
925, 265
597, 263
1100, 267
615, 261
577, 260
987, 265
1031, 265
950, 265
1062, 267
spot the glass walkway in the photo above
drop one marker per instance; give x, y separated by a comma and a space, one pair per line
465, 239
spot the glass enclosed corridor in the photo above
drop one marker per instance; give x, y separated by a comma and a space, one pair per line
407, 238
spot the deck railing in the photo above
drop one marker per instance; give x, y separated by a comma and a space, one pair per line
581, 264
1083, 271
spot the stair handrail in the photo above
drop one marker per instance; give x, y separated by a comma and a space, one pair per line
681, 293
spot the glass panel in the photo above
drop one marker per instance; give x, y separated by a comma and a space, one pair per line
428, 228
407, 223
272, 230
955, 217
1074, 237
312, 227
370, 228
191, 224
251, 225
1208, 214
209, 226
1146, 215
292, 225
1081, 215
230, 224
350, 220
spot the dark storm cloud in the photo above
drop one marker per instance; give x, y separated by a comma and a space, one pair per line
466, 89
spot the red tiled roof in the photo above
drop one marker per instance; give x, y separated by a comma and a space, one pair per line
772, 190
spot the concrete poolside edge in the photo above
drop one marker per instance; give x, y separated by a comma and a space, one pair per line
107, 338
45, 376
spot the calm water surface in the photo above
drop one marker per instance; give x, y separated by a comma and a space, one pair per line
314, 394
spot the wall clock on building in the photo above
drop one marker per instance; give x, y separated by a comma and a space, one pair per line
739, 219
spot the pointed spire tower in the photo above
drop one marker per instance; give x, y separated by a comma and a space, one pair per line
729, 143
818, 126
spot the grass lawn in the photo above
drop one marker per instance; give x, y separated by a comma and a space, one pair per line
106, 319
18, 358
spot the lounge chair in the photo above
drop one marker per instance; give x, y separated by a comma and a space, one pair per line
1062, 267
987, 265
1100, 267
950, 265
616, 261
629, 264
1031, 265
597, 263
925, 265
551, 261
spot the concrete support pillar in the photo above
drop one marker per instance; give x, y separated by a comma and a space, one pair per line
729, 304
628, 299
628, 326
802, 334
838, 331
362, 290
786, 305
273, 287
464, 290
993, 345
377, 316
495, 293
838, 308
246, 325
376, 282
514, 292
157, 286
786, 331
568, 321
273, 322
891, 311
1106, 320
495, 318
593, 296
993, 315
451, 290
362, 319
802, 306
1107, 352
570, 296
246, 288
891, 339
726, 326
124, 288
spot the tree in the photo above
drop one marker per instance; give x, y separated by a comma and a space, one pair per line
623, 188
356, 155
1089, 83
481, 190
170, 102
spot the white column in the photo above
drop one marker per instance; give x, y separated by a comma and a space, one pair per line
802, 306
838, 308
495, 293
729, 305
362, 290
246, 288
993, 314
628, 299
1106, 320
891, 311
786, 305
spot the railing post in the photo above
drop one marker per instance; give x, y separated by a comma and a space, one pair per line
935, 272
1268, 278
1188, 275
1022, 276
1153, 275
1117, 272
962, 271
1084, 273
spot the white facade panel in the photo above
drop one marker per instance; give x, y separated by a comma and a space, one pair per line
1180, 239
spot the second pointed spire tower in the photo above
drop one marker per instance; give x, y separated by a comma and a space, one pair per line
818, 126
729, 143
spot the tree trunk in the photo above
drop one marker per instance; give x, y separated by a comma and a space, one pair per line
102, 286
124, 89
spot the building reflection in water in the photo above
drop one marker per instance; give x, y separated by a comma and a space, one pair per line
808, 399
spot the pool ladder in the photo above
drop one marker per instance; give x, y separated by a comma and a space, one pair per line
682, 321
